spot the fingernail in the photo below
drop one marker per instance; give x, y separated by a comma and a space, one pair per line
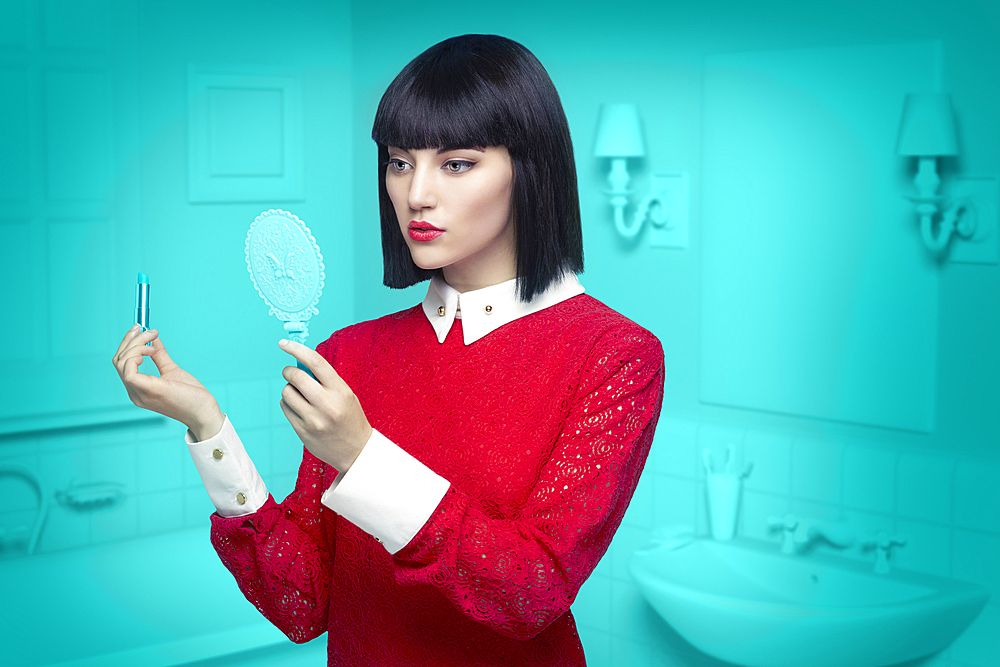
134, 327
282, 342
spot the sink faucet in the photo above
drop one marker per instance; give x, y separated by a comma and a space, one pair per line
884, 544
788, 523
800, 533
838, 533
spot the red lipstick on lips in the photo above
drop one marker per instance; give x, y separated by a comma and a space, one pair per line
423, 231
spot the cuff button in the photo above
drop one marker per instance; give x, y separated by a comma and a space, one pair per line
217, 454
241, 498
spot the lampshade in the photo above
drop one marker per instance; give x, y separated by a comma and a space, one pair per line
928, 126
619, 132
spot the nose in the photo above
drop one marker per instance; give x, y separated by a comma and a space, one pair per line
421, 194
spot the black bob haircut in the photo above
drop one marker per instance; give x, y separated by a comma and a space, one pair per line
477, 91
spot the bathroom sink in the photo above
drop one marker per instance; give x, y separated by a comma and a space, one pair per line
744, 602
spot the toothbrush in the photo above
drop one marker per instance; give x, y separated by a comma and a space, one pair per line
706, 458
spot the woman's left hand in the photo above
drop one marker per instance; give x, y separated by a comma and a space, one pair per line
324, 412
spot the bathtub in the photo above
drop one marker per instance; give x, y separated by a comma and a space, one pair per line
154, 601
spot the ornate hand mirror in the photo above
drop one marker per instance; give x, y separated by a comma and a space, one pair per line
286, 267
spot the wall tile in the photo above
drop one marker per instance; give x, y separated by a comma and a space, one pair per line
771, 455
924, 486
816, 470
870, 478
161, 512
927, 548
279, 486
249, 404
977, 495
58, 469
674, 447
17, 445
161, 465
754, 513
596, 646
198, 508
65, 528
286, 451
116, 523
592, 606
673, 501
640, 509
121, 434
116, 463
976, 558
275, 415
60, 441
626, 541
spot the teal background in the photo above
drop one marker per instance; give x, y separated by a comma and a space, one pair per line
94, 127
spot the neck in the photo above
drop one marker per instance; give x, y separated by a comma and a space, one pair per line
461, 284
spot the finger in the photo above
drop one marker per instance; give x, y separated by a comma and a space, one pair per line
159, 355
295, 399
291, 415
128, 336
137, 342
134, 353
320, 367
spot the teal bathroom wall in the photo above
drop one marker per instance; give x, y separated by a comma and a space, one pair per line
97, 188
937, 487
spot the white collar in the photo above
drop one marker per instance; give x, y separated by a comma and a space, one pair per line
486, 310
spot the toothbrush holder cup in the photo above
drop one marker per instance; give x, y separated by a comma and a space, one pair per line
723, 490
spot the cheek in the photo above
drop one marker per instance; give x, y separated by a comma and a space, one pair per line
397, 195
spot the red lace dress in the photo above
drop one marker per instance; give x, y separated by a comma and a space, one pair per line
542, 427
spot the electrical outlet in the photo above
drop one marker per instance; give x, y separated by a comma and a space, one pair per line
668, 215
982, 201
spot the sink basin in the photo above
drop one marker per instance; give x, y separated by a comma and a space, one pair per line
744, 602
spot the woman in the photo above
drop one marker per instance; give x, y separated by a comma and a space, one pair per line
512, 414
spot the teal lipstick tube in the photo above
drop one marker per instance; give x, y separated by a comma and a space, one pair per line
142, 302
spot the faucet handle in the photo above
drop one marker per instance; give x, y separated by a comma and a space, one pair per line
884, 543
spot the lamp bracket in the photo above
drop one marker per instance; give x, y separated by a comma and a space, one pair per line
977, 240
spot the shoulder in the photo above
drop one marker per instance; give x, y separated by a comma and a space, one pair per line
600, 323
363, 334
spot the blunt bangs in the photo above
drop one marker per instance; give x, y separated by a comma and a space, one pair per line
457, 97
478, 91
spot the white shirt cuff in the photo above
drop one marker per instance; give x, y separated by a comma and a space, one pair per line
387, 493
230, 477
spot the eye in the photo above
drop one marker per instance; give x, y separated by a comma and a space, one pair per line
458, 166
397, 165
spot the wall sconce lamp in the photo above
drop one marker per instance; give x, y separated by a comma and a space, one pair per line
927, 132
619, 138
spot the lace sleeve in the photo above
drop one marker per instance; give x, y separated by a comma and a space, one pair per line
516, 575
281, 556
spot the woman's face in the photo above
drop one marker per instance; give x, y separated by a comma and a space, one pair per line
454, 210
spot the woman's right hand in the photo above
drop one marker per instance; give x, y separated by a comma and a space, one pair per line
175, 394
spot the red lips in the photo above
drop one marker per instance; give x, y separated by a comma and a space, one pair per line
416, 224
423, 231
